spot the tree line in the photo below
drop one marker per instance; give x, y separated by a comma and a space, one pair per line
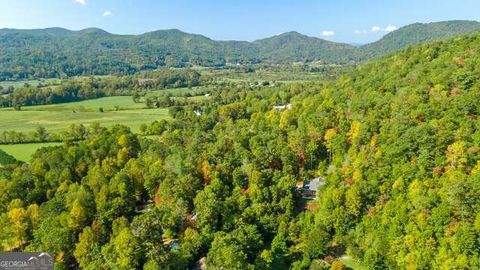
95, 87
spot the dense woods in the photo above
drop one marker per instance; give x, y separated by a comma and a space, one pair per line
397, 141
59, 53
418, 33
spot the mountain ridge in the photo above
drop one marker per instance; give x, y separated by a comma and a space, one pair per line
55, 52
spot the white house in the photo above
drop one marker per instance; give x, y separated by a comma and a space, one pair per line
283, 107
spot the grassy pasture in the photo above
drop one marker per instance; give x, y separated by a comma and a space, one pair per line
194, 98
57, 117
178, 91
91, 105
24, 152
56, 121
6, 84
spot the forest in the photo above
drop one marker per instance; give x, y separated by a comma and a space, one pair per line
61, 53
397, 141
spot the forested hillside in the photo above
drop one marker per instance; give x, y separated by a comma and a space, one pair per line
397, 141
57, 52
418, 33
403, 137
294, 47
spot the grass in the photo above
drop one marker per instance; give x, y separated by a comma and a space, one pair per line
178, 91
195, 98
264, 75
91, 105
55, 121
58, 117
24, 152
351, 263
6, 84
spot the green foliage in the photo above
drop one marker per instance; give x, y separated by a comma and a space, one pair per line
5, 158
57, 52
396, 140
418, 33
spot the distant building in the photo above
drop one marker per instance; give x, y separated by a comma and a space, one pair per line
308, 188
283, 107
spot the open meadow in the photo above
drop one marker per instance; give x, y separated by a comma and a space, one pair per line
24, 152
57, 117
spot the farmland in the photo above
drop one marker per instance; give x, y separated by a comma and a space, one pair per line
24, 152
57, 117
14, 84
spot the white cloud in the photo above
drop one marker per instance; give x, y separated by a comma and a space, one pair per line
327, 33
390, 28
377, 29
107, 13
81, 2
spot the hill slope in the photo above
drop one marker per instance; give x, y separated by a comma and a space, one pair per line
293, 46
56, 52
404, 171
397, 142
418, 33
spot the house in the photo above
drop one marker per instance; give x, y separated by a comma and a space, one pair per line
308, 188
283, 107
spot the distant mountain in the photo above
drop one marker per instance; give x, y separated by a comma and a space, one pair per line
293, 47
418, 33
55, 52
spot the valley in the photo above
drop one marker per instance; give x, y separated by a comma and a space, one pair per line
169, 150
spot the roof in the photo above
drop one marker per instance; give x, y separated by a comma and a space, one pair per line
283, 107
315, 183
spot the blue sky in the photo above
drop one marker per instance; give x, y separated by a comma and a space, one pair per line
352, 21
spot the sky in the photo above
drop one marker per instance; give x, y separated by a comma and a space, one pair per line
349, 21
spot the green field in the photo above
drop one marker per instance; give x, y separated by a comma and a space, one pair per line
194, 98
24, 152
57, 117
91, 105
178, 91
286, 76
6, 84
